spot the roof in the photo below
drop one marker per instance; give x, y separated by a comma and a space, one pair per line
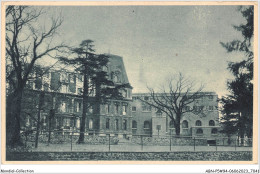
117, 63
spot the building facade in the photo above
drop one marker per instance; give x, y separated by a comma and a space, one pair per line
149, 121
62, 91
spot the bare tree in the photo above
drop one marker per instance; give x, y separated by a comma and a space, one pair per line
26, 43
173, 100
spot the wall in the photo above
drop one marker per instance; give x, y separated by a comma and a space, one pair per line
121, 156
140, 117
209, 112
161, 122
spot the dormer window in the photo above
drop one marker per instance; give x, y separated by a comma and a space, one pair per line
116, 78
124, 93
112, 75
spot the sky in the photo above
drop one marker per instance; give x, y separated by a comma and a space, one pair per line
159, 42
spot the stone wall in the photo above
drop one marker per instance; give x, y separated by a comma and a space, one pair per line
188, 141
126, 156
165, 141
66, 138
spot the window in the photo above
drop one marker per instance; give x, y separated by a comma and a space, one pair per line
46, 75
158, 113
27, 121
30, 84
116, 124
64, 88
78, 123
60, 121
124, 110
210, 108
214, 131
124, 93
80, 91
63, 107
117, 108
186, 108
134, 124
66, 122
64, 77
134, 98
46, 87
146, 125
80, 77
198, 123
78, 106
184, 98
197, 97
72, 122
211, 123
198, 108
107, 123
211, 97
133, 108
116, 77
171, 124
124, 124
44, 120
71, 78
90, 109
90, 124
185, 124
107, 108
199, 131
129, 94
112, 75
146, 108
146, 98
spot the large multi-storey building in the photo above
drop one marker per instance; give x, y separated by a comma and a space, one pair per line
149, 121
62, 91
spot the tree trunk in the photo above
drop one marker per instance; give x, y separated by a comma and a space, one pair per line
51, 116
178, 124
13, 112
242, 136
41, 100
49, 136
85, 107
242, 128
97, 101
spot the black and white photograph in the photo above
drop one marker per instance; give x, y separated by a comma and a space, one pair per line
129, 83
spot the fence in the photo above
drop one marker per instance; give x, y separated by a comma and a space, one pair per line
67, 141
